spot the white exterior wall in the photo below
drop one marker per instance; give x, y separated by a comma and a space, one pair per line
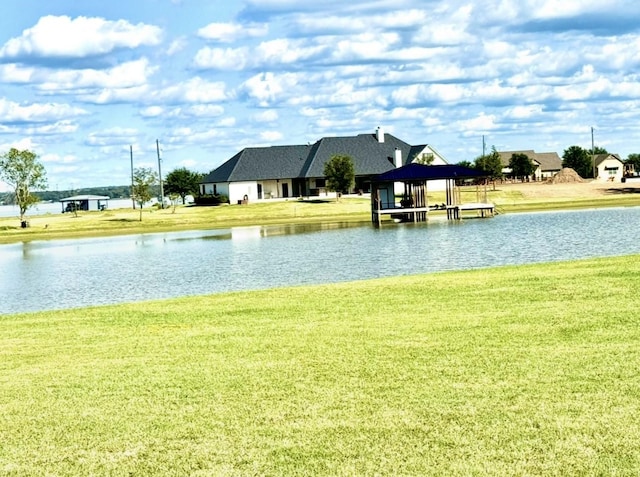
237, 191
548, 174
610, 170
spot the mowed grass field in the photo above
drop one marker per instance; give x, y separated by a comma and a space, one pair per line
530, 370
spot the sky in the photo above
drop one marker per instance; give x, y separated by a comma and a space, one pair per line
88, 84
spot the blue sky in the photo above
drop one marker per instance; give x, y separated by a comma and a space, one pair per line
82, 81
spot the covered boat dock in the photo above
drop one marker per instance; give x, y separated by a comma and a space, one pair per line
413, 205
84, 202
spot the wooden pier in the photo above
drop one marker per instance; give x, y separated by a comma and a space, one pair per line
481, 209
413, 204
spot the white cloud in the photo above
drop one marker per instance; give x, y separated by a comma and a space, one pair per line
64, 37
177, 46
234, 59
184, 112
523, 112
268, 116
271, 136
267, 88
126, 75
59, 127
392, 19
478, 124
58, 159
116, 136
12, 112
230, 32
194, 90
187, 135
152, 111
22, 144
116, 95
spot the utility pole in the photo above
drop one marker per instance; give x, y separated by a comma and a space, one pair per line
133, 199
160, 175
593, 155
483, 145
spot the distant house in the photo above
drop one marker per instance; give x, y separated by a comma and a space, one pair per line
84, 202
547, 163
298, 171
609, 167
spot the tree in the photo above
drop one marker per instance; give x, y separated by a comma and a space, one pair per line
183, 182
22, 171
634, 159
490, 164
521, 166
579, 160
426, 159
340, 174
598, 150
144, 178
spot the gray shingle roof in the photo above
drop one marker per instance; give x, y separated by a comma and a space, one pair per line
549, 161
599, 158
261, 163
370, 157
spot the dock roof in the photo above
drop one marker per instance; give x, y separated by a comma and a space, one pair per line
420, 172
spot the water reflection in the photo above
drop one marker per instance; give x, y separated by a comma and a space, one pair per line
70, 273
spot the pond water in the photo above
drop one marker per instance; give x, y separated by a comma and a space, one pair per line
59, 274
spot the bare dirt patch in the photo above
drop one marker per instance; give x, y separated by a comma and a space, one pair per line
573, 190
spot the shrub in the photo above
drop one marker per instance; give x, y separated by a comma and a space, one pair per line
210, 199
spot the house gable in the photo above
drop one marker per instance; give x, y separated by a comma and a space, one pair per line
600, 158
418, 153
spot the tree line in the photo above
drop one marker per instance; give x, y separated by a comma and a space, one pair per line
522, 166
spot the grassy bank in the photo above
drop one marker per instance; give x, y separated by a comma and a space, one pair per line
512, 371
508, 199
127, 221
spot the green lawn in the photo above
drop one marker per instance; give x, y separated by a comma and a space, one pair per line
530, 370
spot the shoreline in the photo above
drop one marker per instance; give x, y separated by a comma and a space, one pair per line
508, 198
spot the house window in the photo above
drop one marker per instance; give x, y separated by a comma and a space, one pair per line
320, 182
215, 189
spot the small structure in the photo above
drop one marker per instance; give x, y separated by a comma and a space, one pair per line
610, 167
413, 205
84, 202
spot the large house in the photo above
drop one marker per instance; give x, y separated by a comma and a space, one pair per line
298, 171
547, 163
